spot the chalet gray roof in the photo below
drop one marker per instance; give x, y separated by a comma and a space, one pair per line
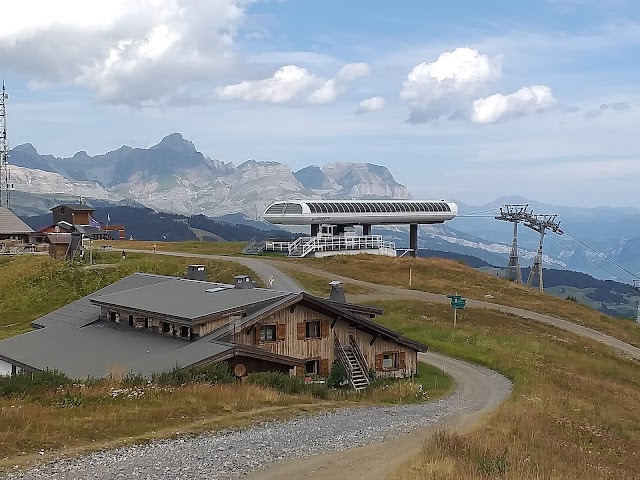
187, 299
98, 349
82, 311
76, 207
9, 223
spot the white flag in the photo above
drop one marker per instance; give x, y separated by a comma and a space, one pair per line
108, 218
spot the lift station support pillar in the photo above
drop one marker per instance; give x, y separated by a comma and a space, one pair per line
413, 239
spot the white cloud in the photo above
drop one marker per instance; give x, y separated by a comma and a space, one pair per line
328, 92
351, 71
286, 84
291, 82
126, 51
527, 100
447, 84
372, 104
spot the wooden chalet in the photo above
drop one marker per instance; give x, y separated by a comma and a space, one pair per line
189, 322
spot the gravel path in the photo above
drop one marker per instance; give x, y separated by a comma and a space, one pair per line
235, 453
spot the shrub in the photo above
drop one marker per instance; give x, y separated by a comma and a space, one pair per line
337, 376
37, 382
571, 298
287, 384
278, 381
208, 374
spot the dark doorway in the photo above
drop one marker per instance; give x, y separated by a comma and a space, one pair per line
112, 316
131, 320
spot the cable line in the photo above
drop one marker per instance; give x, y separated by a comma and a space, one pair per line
634, 275
587, 259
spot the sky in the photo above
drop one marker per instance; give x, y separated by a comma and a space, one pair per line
461, 99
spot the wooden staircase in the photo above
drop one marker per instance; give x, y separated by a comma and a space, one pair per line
353, 362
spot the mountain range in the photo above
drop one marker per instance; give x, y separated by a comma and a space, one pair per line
173, 176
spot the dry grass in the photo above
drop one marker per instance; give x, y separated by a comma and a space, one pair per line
447, 276
92, 415
207, 248
572, 415
319, 286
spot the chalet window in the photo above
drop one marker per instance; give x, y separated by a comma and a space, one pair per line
146, 323
184, 332
312, 367
267, 333
131, 320
112, 316
312, 329
390, 361
166, 327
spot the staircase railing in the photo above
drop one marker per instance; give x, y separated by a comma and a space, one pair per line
364, 366
293, 246
342, 355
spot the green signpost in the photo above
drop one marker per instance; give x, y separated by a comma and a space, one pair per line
457, 303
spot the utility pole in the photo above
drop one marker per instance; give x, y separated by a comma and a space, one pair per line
514, 213
540, 223
636, 285
5, 175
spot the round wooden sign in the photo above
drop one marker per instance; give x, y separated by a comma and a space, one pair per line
240, 370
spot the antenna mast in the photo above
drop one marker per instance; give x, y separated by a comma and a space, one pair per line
514, 213
5, 175
541, 223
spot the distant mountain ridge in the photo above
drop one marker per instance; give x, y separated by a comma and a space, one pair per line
174, 176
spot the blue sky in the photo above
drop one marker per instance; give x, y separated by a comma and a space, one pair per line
460, 99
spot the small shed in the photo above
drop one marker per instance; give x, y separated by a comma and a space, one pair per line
59, 245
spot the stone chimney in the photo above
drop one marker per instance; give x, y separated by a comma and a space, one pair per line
337, 292
196, 272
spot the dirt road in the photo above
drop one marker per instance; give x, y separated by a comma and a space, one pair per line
481, 390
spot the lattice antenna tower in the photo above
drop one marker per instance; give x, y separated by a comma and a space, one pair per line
514, 213
636, 285
541, 223
5, 175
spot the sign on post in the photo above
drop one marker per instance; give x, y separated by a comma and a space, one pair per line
457, 303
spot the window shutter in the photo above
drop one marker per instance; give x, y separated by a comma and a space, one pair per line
282, 331
324, 328
301, 331
256, 332
402, 361
324, 367
379, 360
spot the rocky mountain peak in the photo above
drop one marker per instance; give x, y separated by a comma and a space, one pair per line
175, 142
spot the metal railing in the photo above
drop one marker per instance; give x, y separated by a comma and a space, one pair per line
342, 355
364, 366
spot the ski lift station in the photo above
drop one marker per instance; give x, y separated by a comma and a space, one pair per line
333, 224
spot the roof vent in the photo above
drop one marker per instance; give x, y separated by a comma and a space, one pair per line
337, 292
196, 272
243, 281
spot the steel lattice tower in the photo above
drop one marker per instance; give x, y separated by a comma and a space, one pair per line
540, 223
5, 175
514, 214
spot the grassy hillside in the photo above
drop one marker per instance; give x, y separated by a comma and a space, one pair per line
572, 414
446, 276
